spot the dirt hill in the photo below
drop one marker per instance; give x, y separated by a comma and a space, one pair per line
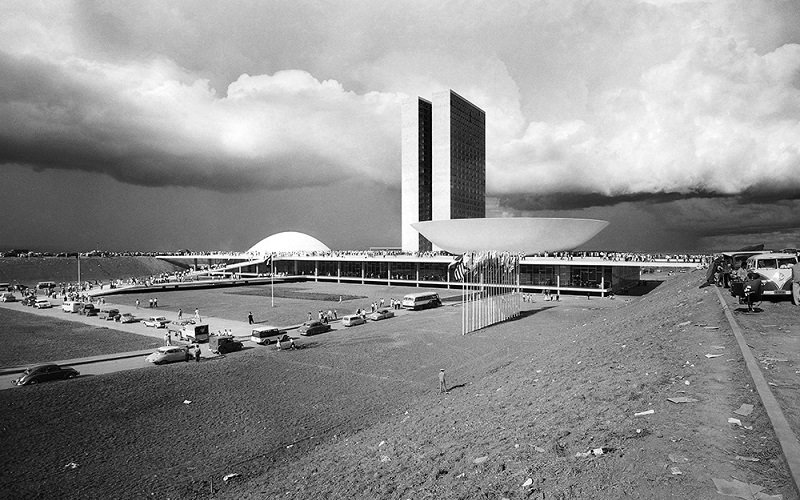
29, 271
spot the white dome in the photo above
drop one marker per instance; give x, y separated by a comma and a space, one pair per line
289, 241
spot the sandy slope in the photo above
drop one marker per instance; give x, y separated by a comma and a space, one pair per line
357, 415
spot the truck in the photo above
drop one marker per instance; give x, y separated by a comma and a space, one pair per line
194, 333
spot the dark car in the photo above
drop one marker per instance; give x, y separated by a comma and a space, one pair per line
88, 310
29, 300
223, 344
313, 328
108, 314
45, 373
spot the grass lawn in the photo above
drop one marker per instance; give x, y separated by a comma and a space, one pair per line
29, 338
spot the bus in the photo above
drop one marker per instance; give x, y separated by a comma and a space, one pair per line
422, 300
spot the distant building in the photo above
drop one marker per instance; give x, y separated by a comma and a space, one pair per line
443, 163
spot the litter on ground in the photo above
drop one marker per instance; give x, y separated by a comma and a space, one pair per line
642, 413
527, 483
682, 399
187, 402
744, 410
734, 421
677, 459
713, 355
747, 459
228, 477
480, 460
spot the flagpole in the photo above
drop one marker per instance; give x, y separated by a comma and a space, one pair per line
272, 278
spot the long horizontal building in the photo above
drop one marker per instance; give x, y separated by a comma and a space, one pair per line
592, 275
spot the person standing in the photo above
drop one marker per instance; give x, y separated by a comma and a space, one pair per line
197, 353
442, 382
796, 284
167, 338
180, 314
250, 317
197, 314
137, 303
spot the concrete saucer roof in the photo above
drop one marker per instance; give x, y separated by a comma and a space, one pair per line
289, 241
526, 235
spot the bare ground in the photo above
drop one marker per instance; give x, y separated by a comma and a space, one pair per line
357, 414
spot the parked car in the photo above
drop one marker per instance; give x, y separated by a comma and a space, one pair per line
29, 300
108, 314
223, 344
381, 314
45, 373
42, 304
353, 320
313, 328
265, 335
156, 322
89, 310
8, 297
127, 318
169, 354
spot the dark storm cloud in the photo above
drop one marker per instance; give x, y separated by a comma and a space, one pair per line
155, 125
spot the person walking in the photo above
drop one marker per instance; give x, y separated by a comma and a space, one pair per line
250, 318
442, 383
796, 284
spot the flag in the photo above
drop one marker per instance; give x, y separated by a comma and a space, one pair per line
458, 267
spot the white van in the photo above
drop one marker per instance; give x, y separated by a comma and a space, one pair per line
421, 300
353, 320
775, 271
71, 306
264, 335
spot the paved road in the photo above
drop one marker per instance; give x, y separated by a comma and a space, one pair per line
87, 370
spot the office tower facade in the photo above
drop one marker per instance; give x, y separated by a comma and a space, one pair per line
443, 163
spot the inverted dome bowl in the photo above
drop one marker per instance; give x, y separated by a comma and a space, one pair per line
527, 235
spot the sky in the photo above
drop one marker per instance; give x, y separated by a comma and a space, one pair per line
163, 125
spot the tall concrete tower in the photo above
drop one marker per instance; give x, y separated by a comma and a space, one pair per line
443, 163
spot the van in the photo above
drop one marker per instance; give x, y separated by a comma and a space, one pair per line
264, 335
71, 306
43, 285
353, 320
775, 272
421, 300
194, 333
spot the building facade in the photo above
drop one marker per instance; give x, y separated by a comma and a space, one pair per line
443, 163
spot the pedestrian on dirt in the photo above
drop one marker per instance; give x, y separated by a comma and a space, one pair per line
197, 353
168, 338
292, 346
309, 315
180, 314
796, 284
197, 314
155, 302
278, 344
335, 314
442, 383
250, 318
137, 303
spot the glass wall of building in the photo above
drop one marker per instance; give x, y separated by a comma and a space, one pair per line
351, 269
404, 271
432, 271
376, 270
306, 267
327, 268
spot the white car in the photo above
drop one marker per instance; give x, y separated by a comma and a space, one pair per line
168, 354
42, 304
156, 322
353, 320
381, 314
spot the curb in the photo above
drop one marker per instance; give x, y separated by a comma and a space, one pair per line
80, 361
786, 437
